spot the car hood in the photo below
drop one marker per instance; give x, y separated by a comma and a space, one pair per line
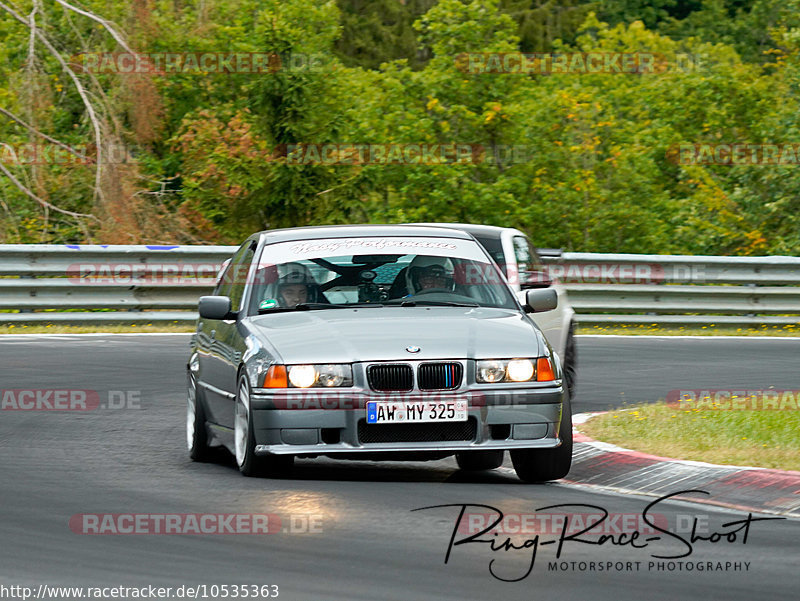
382, 334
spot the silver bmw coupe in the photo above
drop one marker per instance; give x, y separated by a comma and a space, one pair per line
375, 342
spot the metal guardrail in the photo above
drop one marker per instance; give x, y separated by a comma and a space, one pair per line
633, 289
161, 284
112, 283
58, 260
687, 269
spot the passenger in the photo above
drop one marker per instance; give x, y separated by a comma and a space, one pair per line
430, 273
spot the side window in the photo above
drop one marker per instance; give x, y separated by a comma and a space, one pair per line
223, 287
494, 246
241, 267
527, 260
234, 275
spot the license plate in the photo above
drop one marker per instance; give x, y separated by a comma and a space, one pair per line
393, 412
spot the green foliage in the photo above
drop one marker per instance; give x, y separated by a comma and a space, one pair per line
579, 160
378, 31
542, 22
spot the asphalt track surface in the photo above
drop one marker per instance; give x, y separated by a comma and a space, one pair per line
370, 544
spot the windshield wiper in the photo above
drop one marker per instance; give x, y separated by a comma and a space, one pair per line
359, 305
431, 303
316, 306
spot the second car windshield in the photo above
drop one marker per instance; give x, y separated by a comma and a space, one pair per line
313, 274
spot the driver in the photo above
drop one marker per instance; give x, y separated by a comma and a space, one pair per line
291, 295
429, 273
293, 285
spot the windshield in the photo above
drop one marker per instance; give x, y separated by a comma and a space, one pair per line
405, 271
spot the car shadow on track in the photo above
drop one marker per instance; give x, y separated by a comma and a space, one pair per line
335, 470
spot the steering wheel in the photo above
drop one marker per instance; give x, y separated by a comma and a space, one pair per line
433, 291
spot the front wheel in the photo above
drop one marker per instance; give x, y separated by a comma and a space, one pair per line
245, 442
196, 433
571, 363
541, 465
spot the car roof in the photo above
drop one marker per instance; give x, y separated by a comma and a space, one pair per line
491, 231
348, 231
495, 232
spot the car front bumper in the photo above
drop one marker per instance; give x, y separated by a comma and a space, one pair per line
322, 422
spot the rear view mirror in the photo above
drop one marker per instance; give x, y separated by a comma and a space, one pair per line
370, 259
538, 300
215, 307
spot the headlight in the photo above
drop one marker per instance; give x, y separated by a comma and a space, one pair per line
334, 375
309, 376
520, 370
491, 371
302, 376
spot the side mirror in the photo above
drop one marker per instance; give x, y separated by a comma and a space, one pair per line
536, 301
534, 279
215, 307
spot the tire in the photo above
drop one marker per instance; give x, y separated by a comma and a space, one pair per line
571, 363
478, 461
245, 443
541, 465
196, 433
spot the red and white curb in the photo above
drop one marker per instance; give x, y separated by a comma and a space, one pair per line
606, 466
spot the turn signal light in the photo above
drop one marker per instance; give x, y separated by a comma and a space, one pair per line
544, 370
276, 377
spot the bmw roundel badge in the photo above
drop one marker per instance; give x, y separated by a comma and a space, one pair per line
412, 349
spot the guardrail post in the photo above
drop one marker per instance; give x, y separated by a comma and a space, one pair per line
33, 292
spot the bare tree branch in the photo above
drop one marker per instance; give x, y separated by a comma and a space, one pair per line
81, 91
32, 129
107, 24
11, 217
41, 201
110, 115
30, 69
103, 99
29, 63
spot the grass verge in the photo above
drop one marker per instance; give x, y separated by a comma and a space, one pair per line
710, 330
766, 438
92, 329
637, 330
